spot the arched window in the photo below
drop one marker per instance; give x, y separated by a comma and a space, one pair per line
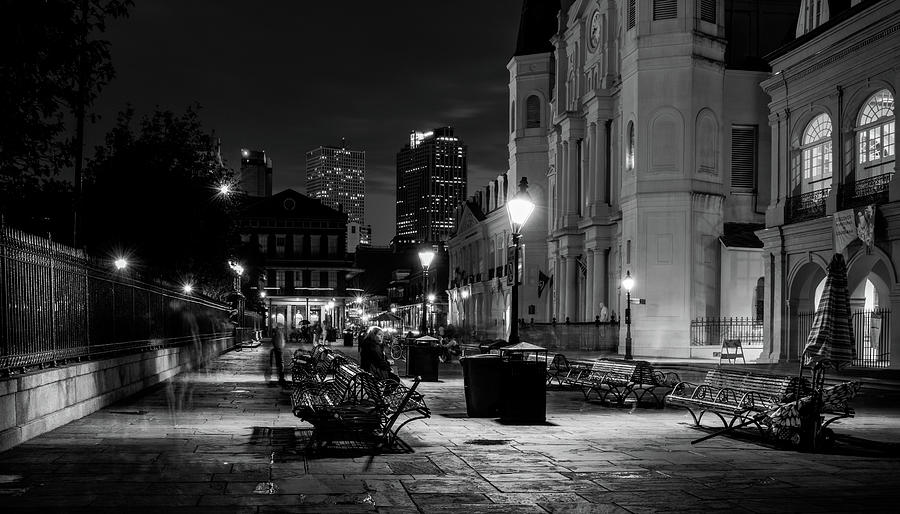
816, 154
533, 112
629, 147
875, 132
512, 117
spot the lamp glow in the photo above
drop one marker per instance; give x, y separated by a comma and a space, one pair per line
187, 288
519, 210
425, 257
120, 263
431, 298
224, 189
262, 294
628, 282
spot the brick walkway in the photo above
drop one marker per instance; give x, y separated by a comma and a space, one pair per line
214, 441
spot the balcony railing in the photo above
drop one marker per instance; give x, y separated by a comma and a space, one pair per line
866, 191
807, 206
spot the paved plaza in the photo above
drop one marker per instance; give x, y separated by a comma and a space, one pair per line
224, 440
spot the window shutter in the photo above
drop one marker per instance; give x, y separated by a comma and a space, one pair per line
631, 13
743, 157
665, 9
533, 112
707, 10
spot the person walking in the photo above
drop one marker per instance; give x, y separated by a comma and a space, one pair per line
277, 353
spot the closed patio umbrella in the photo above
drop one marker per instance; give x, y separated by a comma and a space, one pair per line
831, 342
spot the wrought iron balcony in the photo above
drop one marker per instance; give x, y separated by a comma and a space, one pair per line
866, 191
807, 206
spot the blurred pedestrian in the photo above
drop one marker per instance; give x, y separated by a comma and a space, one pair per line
277, 353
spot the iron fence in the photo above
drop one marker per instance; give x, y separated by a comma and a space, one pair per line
871, 330
56, 305
712, 331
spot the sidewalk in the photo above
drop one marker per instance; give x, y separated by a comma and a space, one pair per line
214, 441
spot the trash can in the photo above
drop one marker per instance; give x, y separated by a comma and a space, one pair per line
523, 383
348, 338
422, 359
481, 380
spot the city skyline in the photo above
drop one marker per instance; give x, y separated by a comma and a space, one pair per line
373, 78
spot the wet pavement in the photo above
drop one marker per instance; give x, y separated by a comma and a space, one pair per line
222, 439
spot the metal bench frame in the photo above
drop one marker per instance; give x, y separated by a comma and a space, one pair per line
621, 380
737, 397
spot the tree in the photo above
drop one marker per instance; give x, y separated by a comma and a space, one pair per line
51, 70
152, 193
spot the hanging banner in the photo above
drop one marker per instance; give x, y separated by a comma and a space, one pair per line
510, 260
865, 226
844, 229
543, 281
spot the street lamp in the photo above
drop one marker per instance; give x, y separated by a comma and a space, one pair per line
425, 257
187, 288
628, 283
431, 299
120, 263
519, 210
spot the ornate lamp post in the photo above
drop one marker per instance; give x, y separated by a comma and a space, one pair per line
628, 283
519, 209
238, 271
425, 257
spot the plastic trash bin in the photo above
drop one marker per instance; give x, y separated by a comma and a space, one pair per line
523, 383
481, 380
423, 359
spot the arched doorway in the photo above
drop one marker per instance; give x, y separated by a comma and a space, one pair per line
869, 279
805, 287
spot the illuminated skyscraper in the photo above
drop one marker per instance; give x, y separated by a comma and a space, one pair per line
431, 182
256, 173
336, 177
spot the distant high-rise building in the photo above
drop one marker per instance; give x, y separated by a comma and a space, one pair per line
336, 176
431, 182
256, 173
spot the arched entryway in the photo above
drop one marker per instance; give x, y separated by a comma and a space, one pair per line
804, 284
869, 278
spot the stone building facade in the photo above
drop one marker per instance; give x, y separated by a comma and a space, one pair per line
832, 126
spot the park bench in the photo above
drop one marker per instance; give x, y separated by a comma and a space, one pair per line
354, 406
737, 396
621, 380
315, 366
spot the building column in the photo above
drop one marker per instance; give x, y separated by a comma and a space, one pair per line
601, 167
572, 174
589, 296
591, 170
561, 289
598, 286
571, 289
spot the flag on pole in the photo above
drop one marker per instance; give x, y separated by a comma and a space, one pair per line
543, 281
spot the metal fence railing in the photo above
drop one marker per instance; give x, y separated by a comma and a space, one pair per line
871, 330
56, 304
712, 331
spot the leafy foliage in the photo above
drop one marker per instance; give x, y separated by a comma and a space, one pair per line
152, 193
50, 66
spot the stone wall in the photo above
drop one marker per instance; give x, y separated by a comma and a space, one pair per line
37, 402
575, 336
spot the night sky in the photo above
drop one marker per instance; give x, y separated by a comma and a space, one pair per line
287, 76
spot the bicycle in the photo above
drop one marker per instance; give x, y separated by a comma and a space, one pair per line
398, 349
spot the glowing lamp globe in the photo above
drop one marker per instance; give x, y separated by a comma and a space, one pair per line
628, 282
425, 257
